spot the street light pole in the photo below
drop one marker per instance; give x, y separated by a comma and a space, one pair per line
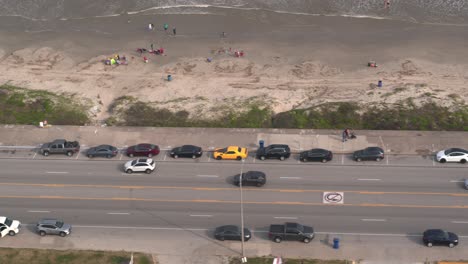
244, 259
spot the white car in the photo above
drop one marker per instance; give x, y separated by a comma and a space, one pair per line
452, 155
140, 165
9, 226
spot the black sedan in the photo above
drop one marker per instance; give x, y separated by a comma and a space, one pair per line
107, 151
186, 151
439, 237
254, 178
370, 153
231, 232
316, 154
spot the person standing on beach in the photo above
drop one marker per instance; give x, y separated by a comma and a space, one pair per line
174, 31
166, 26
152, 47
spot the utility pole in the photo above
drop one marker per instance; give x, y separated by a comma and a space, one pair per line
244, 259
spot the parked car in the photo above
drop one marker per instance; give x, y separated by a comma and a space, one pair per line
291, 231
186, 151
144, 149
439, 237
9, 226
316, 154
60, 146
466, 184
370, 153
255, 178
231, 232
140, 165
231, 152
274, 151
53, 227
107, 151
452, 155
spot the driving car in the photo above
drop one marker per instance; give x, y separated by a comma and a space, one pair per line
439, 237
107, 151
316, 154
231, 232
466, 184
144, 149
9, 226
370, 153
452, 155
274, 151
140, 165
255, 178
186, 151
231, 152
53, 227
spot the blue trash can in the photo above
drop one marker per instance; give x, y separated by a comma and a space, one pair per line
336, 243
261, 143
379, 83
169, 77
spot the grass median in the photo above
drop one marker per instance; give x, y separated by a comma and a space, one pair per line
47, 256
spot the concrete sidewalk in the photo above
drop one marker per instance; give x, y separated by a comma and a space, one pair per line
393, 142
180, 247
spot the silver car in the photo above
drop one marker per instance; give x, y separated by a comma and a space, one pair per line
53, 227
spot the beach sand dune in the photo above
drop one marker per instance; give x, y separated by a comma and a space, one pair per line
303, 62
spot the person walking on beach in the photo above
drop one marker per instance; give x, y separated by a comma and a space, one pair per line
166, 26
174, 31
387, 4
152, 46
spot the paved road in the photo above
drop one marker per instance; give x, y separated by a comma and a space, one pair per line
378, 199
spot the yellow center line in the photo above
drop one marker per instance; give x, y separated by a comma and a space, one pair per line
231, 202
225, 189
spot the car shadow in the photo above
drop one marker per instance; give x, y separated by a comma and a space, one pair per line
31, 227
415, 238
230, 180
262, 232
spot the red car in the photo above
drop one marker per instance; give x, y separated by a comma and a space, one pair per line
145, 149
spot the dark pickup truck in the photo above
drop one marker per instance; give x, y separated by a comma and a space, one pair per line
60, 146
291, 231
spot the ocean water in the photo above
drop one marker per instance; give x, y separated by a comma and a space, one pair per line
423, 11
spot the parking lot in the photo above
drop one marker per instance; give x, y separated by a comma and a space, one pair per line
28, 152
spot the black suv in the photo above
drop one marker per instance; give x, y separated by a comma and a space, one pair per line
275, 151
434, 237
370, 153
255, 178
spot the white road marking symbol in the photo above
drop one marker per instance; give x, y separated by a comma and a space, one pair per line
333, 197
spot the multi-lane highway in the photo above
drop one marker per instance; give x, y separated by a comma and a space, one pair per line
380, 198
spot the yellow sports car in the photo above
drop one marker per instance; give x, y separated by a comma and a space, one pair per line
231, 152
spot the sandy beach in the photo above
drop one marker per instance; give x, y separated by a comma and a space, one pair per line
291, 61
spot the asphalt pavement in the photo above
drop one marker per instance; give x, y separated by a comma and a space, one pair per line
382, 211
